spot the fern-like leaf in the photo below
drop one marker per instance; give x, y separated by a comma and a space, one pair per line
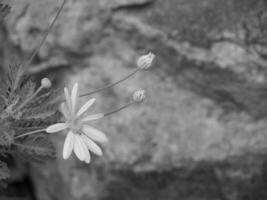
14, 76
6, 138
10, 87
38, 148
41, 112
34, 124
26, 90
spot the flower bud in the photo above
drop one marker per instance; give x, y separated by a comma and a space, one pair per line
145, 61
139, 96
46, 83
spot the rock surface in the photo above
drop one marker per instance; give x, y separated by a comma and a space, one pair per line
201, 133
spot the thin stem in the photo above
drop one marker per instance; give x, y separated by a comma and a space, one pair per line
30, 133
29, 99
112, 84
119, 109
34, 53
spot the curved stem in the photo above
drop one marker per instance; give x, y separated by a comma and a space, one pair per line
111, 85
30, 133
119, 109
34, 53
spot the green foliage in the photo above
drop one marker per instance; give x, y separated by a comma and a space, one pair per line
17, 118
36, 148
25, 108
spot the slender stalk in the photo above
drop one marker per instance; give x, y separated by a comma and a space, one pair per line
29, 99
112, 84
30, 133
34, 53
119, 109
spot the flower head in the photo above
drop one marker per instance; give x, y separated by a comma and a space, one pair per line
145, 61
139, 96
46, 83
81, 137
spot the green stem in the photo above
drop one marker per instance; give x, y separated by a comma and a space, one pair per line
111, 85
34, 53
119, 109
29, 133
29, 99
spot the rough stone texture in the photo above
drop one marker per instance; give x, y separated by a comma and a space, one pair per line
201, 133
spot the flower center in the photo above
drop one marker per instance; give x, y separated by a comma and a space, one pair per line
75, 126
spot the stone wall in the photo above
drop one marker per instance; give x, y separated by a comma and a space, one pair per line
200, 135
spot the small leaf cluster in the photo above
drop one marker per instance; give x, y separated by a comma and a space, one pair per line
15, 89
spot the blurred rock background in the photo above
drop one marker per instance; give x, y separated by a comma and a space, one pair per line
201, 134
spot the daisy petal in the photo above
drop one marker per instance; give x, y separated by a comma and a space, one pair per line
86, 151
74, 96
92, 117
78, 149
94, 134
56, 127
88, 158
68, 145
68, 99
92, 146
85, 107
64, 110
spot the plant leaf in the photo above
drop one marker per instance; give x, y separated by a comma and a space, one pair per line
36, 147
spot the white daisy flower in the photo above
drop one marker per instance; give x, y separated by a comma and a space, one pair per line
81, 137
